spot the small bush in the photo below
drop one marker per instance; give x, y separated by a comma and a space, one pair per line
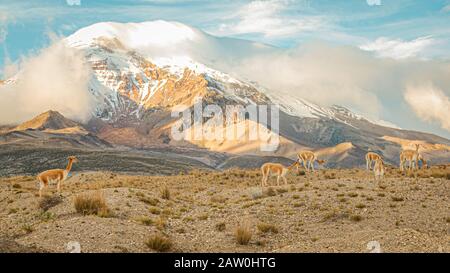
46, 216
270, 192
13, 210
257, 193
146, 221
27, 228
154, 210
149, 201
397, 199
356, 218
243, 234
218, 199
16, 186
161, 223
265, 228
261, 243
91, 204
220, 226
49, 202
159, 243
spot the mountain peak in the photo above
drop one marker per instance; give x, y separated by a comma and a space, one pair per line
135, 35
50, 119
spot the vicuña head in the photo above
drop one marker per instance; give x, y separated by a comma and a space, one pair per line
72, 158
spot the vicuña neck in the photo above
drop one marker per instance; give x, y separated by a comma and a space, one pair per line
69, 165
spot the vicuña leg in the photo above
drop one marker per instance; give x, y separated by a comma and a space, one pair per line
41, 187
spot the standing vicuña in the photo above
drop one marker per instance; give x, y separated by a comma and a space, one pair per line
56, 175
412, 156
308, 158
370, 158
378, 169
275, 169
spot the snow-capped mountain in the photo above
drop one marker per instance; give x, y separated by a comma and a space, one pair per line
126, 66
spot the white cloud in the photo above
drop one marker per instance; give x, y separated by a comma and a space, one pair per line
327, 74
399, 49
446, 8
429, 103
3, 26
56, 79
267, 18
10, 68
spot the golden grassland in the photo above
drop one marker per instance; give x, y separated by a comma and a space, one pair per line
207, 211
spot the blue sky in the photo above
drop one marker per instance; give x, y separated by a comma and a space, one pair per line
393, 30
284, 23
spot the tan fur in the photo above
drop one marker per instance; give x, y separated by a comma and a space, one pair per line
378, 169
410, 156
370, 158
56, 175
308, 158
275, 169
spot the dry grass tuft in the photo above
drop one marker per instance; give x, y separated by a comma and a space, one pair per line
165, 193
243, 234
265, 228
92, 204
159, 242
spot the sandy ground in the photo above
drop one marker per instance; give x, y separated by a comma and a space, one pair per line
329, 211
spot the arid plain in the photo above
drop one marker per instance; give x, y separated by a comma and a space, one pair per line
209, 211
